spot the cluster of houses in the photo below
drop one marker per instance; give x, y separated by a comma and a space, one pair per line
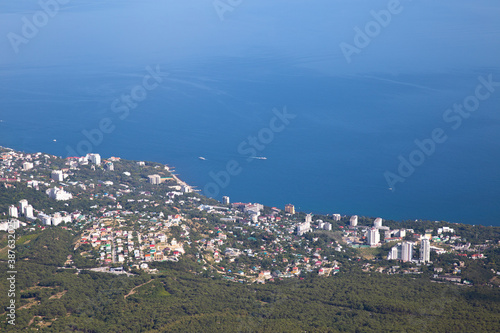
115, 244
240, 241
284, 247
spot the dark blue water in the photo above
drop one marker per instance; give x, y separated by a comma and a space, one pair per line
221, 81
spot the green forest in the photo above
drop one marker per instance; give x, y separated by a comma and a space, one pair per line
177, 299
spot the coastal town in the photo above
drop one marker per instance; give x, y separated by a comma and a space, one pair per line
128, 216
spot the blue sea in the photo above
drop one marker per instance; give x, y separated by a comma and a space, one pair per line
381, 131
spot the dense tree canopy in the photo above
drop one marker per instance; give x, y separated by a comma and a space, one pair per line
176, 300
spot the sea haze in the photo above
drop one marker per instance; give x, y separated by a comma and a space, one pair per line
223, 81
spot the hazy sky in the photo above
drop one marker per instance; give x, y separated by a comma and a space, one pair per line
421, 36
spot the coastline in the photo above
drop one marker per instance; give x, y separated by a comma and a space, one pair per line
181, 182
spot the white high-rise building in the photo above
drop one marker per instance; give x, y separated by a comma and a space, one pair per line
22, 206
336, 217
45, 219
425, 250
406, 251
395, 253
309, 218
402, 251
94, 158
354, 220
303, 227
57, 175
373, 236
378, 222
59, 194
225, 200
154, 179
13, 211
28, 212
56, 219
186, 189
27, 166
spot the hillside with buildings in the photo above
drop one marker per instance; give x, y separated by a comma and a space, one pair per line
135, 241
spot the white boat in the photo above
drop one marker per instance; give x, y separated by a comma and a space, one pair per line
259, 157
202, 158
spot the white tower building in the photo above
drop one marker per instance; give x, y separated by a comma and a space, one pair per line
13, 211
394, 253
154, 179
56, 219
59, 194
28, 212
354, 220
95, 158
425, 250
186, 189
225, 200
57, 175
406, 251
378, 222
373, 236
46, 219
302, 228
22, 206
27, 166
